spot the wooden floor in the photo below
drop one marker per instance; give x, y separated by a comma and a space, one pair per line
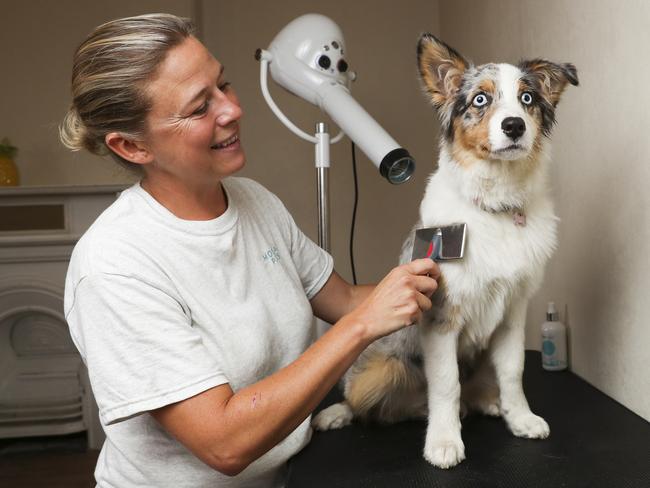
61, 462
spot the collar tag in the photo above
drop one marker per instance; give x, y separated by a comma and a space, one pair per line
519, 218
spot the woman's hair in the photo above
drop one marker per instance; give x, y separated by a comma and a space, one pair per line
109, 75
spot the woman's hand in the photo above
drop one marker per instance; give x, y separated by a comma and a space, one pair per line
399, 299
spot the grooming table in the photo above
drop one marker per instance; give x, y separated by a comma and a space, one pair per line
594, 442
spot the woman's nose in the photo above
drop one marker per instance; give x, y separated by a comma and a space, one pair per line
229, 109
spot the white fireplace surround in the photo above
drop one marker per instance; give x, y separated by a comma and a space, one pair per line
43, 381
44, 387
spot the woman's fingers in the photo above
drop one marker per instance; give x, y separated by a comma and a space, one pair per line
400, 298
424, 266
424, 302
425, 285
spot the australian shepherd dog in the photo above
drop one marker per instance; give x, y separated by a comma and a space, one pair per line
467, 352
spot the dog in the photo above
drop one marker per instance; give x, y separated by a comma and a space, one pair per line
467, 352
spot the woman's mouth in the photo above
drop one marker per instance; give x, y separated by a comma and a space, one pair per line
228, 143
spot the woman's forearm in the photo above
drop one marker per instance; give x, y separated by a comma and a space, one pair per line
358, 294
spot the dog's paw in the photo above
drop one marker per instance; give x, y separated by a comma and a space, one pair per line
444, 453
333, 417
528, 425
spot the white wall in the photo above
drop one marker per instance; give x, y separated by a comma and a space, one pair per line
600, 275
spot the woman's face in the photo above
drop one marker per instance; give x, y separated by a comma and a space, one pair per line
193, 126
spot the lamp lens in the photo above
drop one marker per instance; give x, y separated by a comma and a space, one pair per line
401, 170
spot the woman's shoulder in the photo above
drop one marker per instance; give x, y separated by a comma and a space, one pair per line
249, 192
124, 216
242, 184
114, 240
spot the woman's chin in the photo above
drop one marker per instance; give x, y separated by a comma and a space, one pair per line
236, 161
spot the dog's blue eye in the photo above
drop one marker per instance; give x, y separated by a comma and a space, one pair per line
480, 100
526, 98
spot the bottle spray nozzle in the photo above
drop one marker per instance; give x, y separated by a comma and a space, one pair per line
551, 313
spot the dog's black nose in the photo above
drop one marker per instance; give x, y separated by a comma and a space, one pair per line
513, 127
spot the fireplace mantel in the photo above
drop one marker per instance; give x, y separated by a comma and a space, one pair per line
54, 190
43, 223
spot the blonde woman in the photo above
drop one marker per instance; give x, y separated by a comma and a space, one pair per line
191, 297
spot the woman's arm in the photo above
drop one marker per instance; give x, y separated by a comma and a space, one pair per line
230, 430
338, 298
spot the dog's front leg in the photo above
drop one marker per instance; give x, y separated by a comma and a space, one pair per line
443, 445
507, 354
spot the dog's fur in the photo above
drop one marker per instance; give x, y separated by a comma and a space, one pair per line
492, 176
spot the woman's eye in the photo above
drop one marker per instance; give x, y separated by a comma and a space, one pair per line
480, 100
526, 98
201, 110
204, 108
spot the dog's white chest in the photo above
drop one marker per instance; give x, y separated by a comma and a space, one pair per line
508, 245
503, 258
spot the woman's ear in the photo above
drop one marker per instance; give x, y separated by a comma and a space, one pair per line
127, 148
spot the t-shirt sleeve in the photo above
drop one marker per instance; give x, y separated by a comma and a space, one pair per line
139, 345
314, 264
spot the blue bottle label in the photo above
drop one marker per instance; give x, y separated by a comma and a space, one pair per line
548, 348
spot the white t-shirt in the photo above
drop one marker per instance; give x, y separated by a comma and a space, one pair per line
162, 309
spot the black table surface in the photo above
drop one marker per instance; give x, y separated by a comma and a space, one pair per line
594, 442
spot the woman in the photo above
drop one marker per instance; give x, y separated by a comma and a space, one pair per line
191, 297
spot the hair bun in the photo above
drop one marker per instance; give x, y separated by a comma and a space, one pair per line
75, 135
72, 131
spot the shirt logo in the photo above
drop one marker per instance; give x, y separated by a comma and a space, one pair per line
272, 255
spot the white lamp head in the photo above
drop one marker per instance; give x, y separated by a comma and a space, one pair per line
307, 58
307, 53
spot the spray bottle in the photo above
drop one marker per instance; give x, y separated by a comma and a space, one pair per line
554, 354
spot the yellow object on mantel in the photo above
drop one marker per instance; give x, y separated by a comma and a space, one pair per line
8, 169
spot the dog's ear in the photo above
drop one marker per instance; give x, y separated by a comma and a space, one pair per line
441, 69
552, 78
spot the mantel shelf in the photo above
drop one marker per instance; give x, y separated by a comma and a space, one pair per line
14, 191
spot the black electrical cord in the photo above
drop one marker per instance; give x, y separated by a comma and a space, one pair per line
354, 213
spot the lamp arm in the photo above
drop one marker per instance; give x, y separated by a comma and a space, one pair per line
337, 138
265, 57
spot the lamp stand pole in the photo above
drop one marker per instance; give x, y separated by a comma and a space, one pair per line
322, 168
322, 159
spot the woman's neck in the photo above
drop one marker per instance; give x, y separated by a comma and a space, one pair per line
187, 201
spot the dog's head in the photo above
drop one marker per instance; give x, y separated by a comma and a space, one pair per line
492, 111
